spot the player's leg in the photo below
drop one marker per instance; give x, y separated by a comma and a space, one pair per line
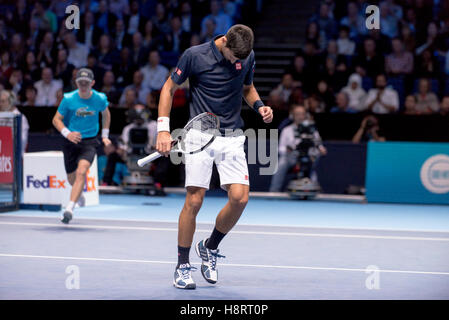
198, 173
233, 171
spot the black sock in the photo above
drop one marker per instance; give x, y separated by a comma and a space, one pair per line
183, 255
215, 239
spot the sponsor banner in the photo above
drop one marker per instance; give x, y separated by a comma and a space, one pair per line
408, 172
45, 180
6, 155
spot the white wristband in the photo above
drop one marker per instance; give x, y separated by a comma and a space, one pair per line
65, 132
104, 133
163, 124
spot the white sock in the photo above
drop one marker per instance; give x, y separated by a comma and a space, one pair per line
70, 206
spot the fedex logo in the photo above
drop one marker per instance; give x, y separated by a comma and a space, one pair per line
51, 182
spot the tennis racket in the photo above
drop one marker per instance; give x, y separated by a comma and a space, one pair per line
197, 134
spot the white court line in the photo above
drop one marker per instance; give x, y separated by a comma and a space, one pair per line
224, 264
268, 233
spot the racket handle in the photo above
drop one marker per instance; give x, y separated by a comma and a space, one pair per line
148, 159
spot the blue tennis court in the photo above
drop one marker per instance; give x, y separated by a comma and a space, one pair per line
125, 248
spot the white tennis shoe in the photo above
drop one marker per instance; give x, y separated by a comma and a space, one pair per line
183, 277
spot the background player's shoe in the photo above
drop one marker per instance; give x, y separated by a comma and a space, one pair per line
67, 216
183, 277
81, 201
209, 263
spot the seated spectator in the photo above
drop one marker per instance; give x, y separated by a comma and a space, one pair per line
105, 20
297, 96
31, 70
368, 63
17, 50
119, 37
77, 52
326, 96
89, 34
150, 39
176, 40
137, 86
354, 20
106, 53
47, 50
130, 99
368, 131
434, 40
223, 21
325, 21
6, 67
345, 45
427, 65
17, 84
297, 70
426, 101
408, 38
332, 53
109, 88
154, 74
63, 69
210, 31
342, 106
334, 78
444, 107
186, 17
279, 96
355, 92
410, 104
138, 51
8, 102
312, 64
399, 62
382, 99
160, 21
46, 89
314, 35
134, 22
314, 104
124, 70
119, 7
388, 21
288, 156
30, 97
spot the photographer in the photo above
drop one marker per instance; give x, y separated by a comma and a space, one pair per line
368, 131
138, 117
292, 147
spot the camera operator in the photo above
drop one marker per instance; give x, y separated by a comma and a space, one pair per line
293, 146
138, 117
368, 131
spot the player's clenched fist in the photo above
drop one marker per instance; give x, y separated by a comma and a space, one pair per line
163, 143
74, 137
266, 113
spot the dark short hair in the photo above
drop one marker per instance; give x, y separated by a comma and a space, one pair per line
240, 40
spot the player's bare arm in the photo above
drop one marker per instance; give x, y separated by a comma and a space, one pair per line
106, 122
73, 136
163, 141
251, 96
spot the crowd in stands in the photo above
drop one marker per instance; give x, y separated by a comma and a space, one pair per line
344, 67
130, 45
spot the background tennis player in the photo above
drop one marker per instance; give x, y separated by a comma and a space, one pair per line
77, 120
219, 72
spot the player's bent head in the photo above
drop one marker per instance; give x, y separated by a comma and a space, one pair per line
84, 79
240, 40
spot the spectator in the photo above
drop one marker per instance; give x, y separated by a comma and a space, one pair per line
134, 22
355, 93
288, 156
119, 8
433, 41
138, 51
368, 63
77, 52
394, 9
410, 104
109, 88
297, 70
210, 30
154, 73
107, 55
399, 62
124, 70
444, 108
47, 51
408, 38
137, 86
47, 88
153, 101
427, 65
130, 99
90, 34
150, 40
333, 77
314, 35
21, 17
186, 17
30, 69
223, 21
8, 102
342, 100
382, 99
47, 20
326, 96
388, 21
368, 131
176, 40
63, 69
5, 66
16, 84
426, 101
279, 97
354, 20
160, 19
119, 36
33, 34
17, 50
314, 104
30, 97
105, 20
325, 22
345, 45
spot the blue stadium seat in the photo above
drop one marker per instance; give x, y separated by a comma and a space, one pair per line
397, 83
367, 83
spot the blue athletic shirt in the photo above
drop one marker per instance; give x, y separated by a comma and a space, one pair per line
81, 115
